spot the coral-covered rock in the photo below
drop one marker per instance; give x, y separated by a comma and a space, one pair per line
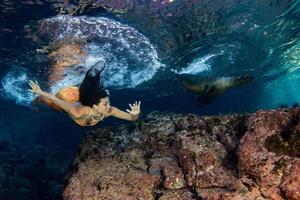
172, 173
110, 179
67, 54
177, 194
103, 171
253, 194
267, 151
291, 185
172, 156
202, 156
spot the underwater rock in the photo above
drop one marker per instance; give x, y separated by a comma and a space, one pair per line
202, 157
290, 185
105, 170
64, 56
176, 156
266, 159
118, 6
183, 194
67, 54
168, 167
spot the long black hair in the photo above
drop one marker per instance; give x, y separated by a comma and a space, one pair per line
91, 89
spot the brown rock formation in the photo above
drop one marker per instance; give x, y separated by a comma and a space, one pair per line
269, 150
64, 56
187, 157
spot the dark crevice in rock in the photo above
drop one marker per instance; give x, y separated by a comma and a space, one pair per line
217, 187
148, 156
218, 138
242, 127
177, 127
289, 129
195, 194
288, 141
280, 165
179, 165
230, 162
98, 186
253, 178
283, 194
158, 190
191, 189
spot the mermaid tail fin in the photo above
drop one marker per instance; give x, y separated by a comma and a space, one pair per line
96, 69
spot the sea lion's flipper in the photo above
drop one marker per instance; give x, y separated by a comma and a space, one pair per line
203, 100
208, 97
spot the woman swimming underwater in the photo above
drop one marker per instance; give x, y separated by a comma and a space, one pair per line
93, 105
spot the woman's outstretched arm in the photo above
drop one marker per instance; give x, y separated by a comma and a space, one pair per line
130, 115
71, 109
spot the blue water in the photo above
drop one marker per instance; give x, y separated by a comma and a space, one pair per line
37, 144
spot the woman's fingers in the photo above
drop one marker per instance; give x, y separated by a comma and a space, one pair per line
137, 103
129, 111
34, 86
135, 106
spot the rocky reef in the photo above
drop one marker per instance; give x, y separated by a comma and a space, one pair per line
175, 156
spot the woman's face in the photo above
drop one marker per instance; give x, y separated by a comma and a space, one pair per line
104, 105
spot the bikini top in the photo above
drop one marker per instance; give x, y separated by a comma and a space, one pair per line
93, 118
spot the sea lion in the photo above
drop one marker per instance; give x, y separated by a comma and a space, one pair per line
209, 89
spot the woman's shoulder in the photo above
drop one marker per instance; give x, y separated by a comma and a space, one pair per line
80, 110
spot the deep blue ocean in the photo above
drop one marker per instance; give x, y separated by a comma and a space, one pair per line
256, 38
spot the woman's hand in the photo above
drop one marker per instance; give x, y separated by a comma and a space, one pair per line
35, 88
135, 108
